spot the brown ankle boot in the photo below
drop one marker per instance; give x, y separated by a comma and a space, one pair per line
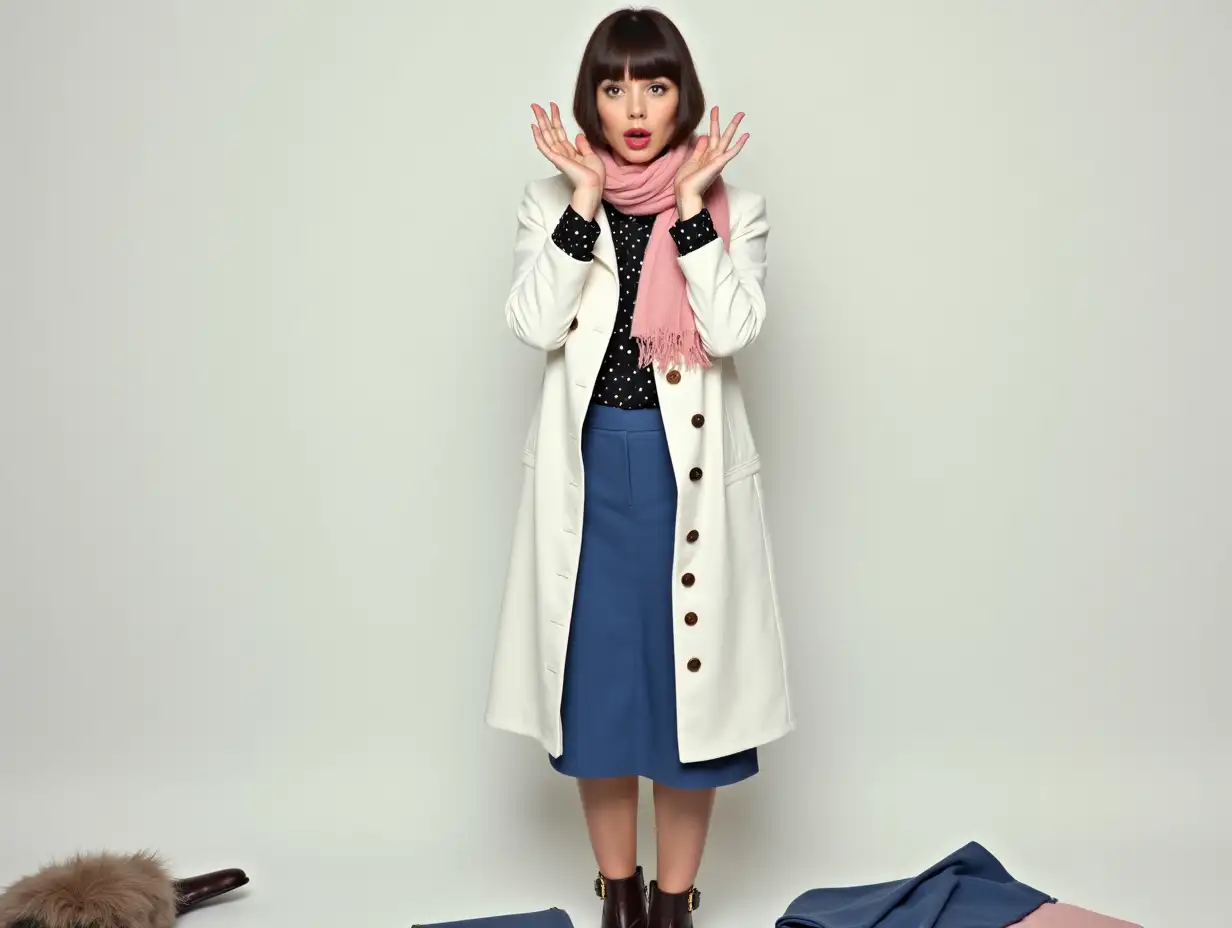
624, 900
671, 910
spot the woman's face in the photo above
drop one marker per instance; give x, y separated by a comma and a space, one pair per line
638, 116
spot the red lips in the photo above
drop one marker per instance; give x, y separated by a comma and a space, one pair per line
637, 138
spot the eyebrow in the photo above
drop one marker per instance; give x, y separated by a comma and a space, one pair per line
647, 80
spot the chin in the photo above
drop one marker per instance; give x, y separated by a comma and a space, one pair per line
642, 156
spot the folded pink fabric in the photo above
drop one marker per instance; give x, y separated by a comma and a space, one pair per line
1061, 915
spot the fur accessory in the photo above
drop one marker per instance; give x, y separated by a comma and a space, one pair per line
109, 890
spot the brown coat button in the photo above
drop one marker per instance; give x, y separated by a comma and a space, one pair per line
687, 579
698, 420
695, 474
673, 376
690, 618
694, 664
692, 536
573, 323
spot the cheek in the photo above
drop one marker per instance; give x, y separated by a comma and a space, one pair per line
606, 116
665, 111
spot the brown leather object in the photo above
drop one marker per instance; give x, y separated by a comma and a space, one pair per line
108, 890
624, 900
671, 910
191, 891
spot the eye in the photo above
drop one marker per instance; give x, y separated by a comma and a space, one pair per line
658, 88
611, 90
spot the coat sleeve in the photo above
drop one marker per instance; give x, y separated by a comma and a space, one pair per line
725, 284
547, 281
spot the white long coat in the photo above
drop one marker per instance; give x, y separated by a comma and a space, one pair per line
731, 675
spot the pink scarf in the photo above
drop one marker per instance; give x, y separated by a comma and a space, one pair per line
663, 322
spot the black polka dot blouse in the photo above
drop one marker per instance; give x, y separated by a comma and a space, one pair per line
621, 382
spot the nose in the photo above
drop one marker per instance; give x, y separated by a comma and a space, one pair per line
636, 105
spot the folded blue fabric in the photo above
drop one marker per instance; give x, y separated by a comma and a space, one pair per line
547, 918
968, 889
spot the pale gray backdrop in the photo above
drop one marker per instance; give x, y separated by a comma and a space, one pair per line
261, 426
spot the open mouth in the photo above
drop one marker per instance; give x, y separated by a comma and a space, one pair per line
637, 138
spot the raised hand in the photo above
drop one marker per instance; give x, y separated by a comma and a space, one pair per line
577, 161
710, 156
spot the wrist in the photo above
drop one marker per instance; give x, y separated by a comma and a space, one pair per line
689, 205
585, 201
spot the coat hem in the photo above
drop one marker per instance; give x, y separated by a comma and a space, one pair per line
524, 730
735, 746
724, 750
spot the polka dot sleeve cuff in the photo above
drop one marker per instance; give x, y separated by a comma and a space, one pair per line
691, 234
574, 235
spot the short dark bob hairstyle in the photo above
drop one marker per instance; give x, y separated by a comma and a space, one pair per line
651, 46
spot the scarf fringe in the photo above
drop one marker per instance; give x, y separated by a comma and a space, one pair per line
665, 348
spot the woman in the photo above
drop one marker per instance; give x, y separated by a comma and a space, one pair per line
640, 634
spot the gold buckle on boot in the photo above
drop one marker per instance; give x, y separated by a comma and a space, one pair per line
694, 899
600, 887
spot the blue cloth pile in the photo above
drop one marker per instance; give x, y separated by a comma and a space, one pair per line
968, 889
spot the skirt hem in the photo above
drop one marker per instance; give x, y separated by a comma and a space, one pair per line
724, 776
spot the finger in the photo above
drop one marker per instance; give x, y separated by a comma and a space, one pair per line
583, 145
731, 131
732, 152
541, 118
542, 144
713, 139
561, 135
548, 131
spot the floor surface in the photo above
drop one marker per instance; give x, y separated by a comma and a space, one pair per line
398, 887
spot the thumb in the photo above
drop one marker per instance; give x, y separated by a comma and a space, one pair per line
583, 145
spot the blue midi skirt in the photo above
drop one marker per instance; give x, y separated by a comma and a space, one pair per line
619, 706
